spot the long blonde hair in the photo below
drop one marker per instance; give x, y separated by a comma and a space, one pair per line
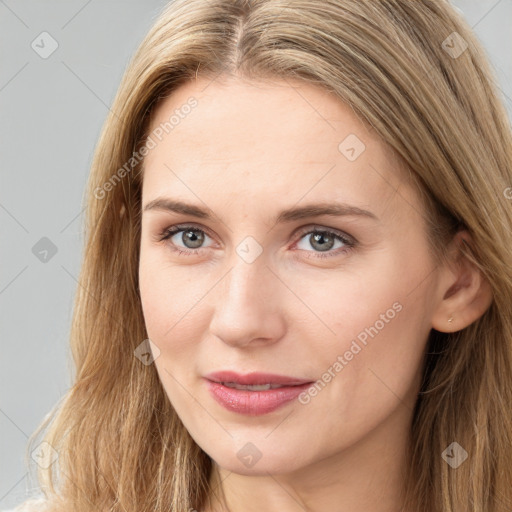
404, 68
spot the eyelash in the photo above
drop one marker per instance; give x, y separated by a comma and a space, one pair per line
349, 242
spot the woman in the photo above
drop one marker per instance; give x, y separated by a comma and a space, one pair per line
296, 288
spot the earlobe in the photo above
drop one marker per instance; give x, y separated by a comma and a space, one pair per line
465, 293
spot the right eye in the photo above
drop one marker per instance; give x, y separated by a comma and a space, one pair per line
190, 235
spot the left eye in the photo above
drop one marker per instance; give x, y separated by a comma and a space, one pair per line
324, 241
321, 239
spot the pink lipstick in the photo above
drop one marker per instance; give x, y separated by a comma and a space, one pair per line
255, 393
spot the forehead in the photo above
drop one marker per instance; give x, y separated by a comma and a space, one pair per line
282, 139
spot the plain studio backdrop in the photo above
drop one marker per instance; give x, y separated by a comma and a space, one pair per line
61, 65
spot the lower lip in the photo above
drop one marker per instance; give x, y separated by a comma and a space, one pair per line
254, 403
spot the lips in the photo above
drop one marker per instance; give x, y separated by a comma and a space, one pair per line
254, 402
255, 379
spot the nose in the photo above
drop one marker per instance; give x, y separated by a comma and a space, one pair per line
247, 306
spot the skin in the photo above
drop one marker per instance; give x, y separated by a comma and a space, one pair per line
248, 150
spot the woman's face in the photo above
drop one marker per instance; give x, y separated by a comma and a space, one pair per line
259, 290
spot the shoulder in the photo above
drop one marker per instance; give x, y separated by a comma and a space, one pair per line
30, 505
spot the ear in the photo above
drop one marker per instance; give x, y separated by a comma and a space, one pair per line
464, 292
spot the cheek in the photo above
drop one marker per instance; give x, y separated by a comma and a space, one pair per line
161, 290
169, 319
152, 297
170, 300
369, 329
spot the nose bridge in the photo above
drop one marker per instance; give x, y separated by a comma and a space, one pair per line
247, 283
244, 305
249, 269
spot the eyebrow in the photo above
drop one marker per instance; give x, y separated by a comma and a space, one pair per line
288, 215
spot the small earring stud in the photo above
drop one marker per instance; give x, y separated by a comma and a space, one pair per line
450, 320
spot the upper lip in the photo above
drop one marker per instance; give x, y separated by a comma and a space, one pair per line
255, 378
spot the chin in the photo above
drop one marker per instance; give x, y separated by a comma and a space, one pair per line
251, 461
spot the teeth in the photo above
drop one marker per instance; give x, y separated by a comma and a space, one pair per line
259, 387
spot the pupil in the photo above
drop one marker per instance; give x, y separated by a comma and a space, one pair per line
324, 246
192, 237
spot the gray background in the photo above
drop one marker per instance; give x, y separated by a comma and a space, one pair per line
52, 112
